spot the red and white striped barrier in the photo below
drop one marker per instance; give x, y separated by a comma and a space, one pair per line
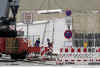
73, 50
80, 55
75, 55
41, 50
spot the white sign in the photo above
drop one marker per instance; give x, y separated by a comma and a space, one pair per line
28, 17
68, 20
68, 43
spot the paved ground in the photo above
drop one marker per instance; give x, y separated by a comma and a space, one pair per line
25, 63
6, 61
9, 62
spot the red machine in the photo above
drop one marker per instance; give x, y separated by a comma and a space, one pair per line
9, 43
17, 48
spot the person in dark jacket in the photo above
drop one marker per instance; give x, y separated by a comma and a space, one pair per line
50, 46
48, 41
37, 43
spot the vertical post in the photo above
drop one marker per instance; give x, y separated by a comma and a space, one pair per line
27, 30
94, 40
14, 13
28, 20
27, 33
33, 40
44, 32
53, 34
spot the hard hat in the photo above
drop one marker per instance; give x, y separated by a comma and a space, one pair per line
48, 39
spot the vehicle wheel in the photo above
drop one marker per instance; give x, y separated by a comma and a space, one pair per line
22, 55
0, 55
14, 56
18, 56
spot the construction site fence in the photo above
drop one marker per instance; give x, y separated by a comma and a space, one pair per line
66, 50
70, 54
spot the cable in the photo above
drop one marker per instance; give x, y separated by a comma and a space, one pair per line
59, 6
42, 4
48, 7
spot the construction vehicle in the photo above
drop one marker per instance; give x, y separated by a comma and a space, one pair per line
9, 42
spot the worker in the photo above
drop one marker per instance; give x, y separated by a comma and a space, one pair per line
49, 43
50, 50
37, 43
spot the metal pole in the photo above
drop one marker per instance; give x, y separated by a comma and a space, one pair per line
33, 40
53, 34
27, 30
43, 38
14, 15
27, 34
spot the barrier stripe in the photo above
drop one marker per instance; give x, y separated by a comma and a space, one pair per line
66, 49
98, 50
79, 60
85, 60
61, 50
72, 50
43, 51
97, 59
84, 52
85, 49
79, 50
